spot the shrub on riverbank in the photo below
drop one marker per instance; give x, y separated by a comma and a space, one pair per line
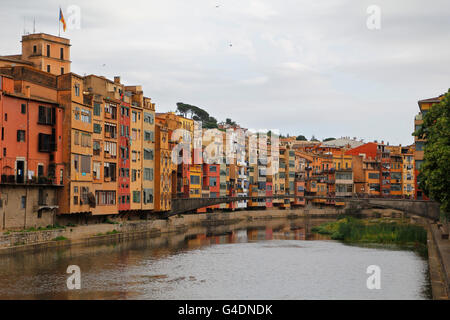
390, 232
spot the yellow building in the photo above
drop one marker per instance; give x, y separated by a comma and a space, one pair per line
77, 195
136, 148
163, 169
42, 51
148, 156
408, 174
341, 160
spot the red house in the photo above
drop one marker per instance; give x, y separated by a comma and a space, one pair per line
124, 157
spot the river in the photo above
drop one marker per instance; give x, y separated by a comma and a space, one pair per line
275, 260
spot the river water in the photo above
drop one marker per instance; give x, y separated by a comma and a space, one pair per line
262, 260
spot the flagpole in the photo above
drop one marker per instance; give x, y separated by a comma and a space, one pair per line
59, 23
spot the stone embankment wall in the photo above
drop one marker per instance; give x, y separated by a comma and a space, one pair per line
96, 233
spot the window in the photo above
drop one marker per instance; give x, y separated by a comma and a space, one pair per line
148, 196
96, 148
136, 196
34, 49
23, 108
97, 109
110, 130
77, 89
86, 115
85, 164
97, 128
48, 68
396, 175
148, 118
148, 174
23, 202
148, 136
212, 169
76, 138
346, 176
110, 149
96, 170
420, 145
195, 180
46, 115
20, 135
374, 175
105, 197
62, 70
76, 162
46, 142
134, 116
110, 111
148, 154
48, 50
85, 139
61, 53
212, 181
84, 195
109, 171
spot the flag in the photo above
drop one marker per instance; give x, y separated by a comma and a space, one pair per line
61, 19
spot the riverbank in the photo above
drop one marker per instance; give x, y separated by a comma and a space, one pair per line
180, 227
23, 240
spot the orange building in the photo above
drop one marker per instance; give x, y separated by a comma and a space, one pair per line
43, 52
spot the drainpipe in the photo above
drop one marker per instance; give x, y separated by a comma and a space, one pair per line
28, 95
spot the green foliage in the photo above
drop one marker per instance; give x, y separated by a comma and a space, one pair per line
197, 114
49, 227
110, 221
434, 176
329, 139
59, 238
301, 138
313, 138
379, 231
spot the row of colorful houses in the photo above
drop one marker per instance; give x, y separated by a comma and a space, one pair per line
91, 147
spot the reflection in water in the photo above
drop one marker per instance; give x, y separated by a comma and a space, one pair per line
252, 260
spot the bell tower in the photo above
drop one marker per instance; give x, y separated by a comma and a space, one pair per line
47, 52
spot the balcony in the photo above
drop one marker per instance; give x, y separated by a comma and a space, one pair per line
34, 181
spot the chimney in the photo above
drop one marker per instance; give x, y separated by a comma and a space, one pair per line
27, 91
117, 79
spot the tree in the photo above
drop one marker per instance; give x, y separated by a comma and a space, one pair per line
301, 138
328, 139
434, 176
313, 138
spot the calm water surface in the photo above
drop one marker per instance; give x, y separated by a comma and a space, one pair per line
278, 261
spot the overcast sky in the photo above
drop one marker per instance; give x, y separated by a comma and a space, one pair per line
303, 67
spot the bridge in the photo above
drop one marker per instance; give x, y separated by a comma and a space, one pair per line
427, 209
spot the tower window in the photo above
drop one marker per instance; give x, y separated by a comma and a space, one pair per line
34, 49
62, 70
48, 68
61, 53
48, 50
